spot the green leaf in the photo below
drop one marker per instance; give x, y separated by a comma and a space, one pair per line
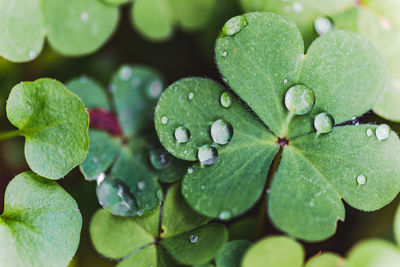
373, 253
197, 246
274, 251
91, 92
215, 189
54, 123
144, 257
317, 166
40, 225
327, 259
232, 253
117, 237
187, 12
73, 27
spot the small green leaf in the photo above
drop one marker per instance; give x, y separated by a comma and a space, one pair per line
197, 246
232, 253
187, 12
54, 123
327, 259
40, 225
274, 251
91, 92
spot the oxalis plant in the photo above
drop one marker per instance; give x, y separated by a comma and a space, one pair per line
41, 223
290, 146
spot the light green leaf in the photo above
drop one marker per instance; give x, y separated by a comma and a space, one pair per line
232, 253
40, 225
187, 12
214, 189
144, 257
274, 251
197, 246
327, 259
54, 123
317, 166
373, 253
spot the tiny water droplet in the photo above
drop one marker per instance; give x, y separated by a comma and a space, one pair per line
182, 134
84, 16
164, 120
190, 170
224, 54
32, 54
141, 185
225, 215
202, 187
159, 195
193, 238
323, 123
299, 99
370, 132
234, 25
382, 132
221, 132
83, 78
226, 100
100, 178
361, 179
95, 160
155, 89
160, 159
207, 155
323, 25
125, 73
225, 80
355, 121
285, 81
297, 7
191, 96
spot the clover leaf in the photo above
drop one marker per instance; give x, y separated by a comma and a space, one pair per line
326, 259
172, 233
124, 156
40, 225
54, 123
261, 57
375, 20
72, 27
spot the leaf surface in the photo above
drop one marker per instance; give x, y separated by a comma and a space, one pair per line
232, 253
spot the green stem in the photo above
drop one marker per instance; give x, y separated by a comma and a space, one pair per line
9, 134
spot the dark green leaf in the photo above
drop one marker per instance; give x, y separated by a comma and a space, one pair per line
232, 253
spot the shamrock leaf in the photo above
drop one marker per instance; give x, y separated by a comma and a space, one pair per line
124, 156
73, 27
172, 233
40, 225
232, 253
296, 99
54, 123
326, 259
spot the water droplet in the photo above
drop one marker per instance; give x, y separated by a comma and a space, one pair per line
191, 95
299, 99
164, 120
234, 25
285, 81
193, 238
125, 73
226, 100
355, 121
32, 54
159, 195
141, 185
323, 123
297, 7
207, 155
370, 132
361, 179
182, 134
160, 159
95, 160
224, 54
202, 187
190, 170
323, 25
382, 132
155, 89
83, 78
84, 16
100, 178
225, 80
221, 132
225, 215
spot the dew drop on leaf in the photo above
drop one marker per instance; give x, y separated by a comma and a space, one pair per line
382, 132
100, 178
221, 132
159, 195
299, 99
164, 120
297, 7
355, 121
323, 25
234, 25
191, 96
207, 155
323, 123
190, 170
202, 187
182, 134
361, 179
141, 185
125, 73
285, 81
370, 132
32, 54
225, 215
226, 100
84, 16
154, 90
224, 54
160, 159
193, 238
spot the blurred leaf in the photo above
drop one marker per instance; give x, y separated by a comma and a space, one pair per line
232, 253
327, 259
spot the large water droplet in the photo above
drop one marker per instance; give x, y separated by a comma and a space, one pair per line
193, 238
164, 120
299, 99
225, 215
323, 123
382, 132
160, 159
323, 25
221, 132
125, 73
207, 155
234, 25
182, 134
155, 89
361, 179
226, 100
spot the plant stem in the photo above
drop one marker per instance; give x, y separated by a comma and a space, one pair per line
9, 134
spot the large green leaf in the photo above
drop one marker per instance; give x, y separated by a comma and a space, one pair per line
274, 251
232, 253
73, 27
54, 123
222, 187
40, 225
